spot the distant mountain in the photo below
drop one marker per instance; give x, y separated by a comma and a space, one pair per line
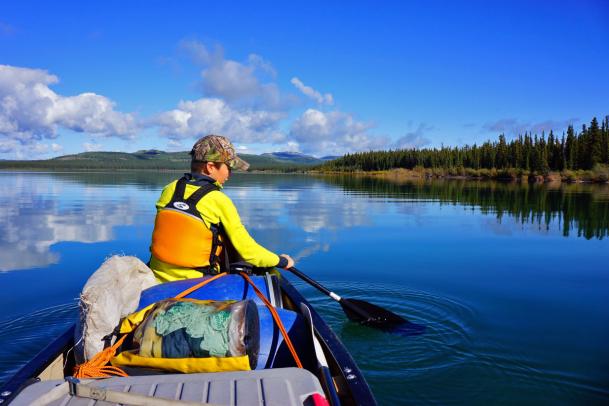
156, 159
150, 152
330, 157
295, 157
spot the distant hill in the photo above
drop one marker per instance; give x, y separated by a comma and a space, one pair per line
295, 157
155, 159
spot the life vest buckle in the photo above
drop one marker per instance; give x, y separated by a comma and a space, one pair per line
241, 266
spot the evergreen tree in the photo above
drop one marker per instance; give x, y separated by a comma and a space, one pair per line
594, 144
583, 152
571, 149
543, 155
561, 153
528, 149
551, 151
502, 153
605, 140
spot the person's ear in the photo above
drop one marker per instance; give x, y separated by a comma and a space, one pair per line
209, 166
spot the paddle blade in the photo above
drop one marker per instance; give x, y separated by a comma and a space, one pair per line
370, 314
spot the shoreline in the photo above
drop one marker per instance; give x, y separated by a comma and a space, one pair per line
599, 176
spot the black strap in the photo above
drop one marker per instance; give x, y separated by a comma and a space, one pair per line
213, 258
193, 199
107, 339
198, 194
178, 192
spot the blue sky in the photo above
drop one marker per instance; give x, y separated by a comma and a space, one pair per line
318, 77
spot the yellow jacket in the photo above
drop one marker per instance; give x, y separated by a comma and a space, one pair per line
215, 208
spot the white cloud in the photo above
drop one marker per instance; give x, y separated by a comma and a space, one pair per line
262, 64
91, 146
7, 146
414, 139
512, 126
175, 145
31, 111
93, 114
333, 133
292, 146
215, 116
236, 82
198, 52
230, 80
39, 149
30, 150
312, 93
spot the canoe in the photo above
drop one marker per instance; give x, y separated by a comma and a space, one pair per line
329, 373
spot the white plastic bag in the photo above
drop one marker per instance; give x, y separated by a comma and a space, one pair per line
112, 292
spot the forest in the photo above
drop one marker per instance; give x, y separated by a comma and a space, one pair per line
531, 154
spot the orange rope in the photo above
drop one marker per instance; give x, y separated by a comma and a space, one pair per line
97, 367
286, 337
198, 285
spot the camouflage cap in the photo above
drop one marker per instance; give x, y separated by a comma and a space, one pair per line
216, 148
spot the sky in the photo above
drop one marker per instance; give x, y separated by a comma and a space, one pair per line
321, 78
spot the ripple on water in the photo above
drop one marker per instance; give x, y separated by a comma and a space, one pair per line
440, 354
450, 353
24, 336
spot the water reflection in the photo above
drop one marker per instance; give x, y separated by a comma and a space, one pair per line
37, 212
582, 209
298, 214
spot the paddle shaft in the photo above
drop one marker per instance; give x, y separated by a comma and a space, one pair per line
315, 284
357, 310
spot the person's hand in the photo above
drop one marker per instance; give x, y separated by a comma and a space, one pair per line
290, 261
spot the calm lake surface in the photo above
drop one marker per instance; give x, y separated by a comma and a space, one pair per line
511, 281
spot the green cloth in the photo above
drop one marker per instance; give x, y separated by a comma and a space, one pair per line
200, 321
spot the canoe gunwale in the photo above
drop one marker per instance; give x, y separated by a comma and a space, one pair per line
361, 394
29, 373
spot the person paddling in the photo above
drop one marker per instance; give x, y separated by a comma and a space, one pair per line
197, 224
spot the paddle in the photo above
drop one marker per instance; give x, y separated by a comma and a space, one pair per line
358, 310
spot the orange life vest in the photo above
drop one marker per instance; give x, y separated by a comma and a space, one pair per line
180, 236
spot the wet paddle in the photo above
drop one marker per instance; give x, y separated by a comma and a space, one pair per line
358, 310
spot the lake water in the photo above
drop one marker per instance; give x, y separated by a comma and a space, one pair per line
511, 281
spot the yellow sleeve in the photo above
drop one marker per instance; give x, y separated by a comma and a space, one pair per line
166, 195
217, 207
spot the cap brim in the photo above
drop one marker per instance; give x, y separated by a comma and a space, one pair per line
240, 164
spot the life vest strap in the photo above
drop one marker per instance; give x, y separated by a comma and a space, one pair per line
198, 194
215, 243
193, 199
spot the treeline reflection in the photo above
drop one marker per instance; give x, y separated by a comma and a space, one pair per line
576, 208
